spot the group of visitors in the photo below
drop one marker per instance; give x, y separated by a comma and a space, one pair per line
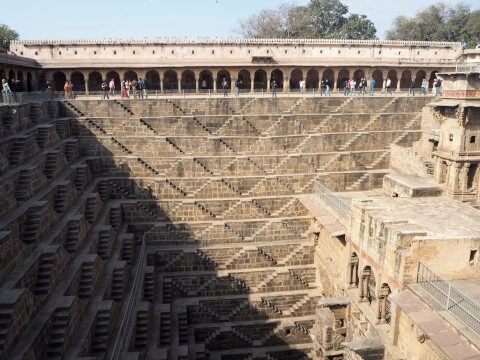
424, 86
9, 88
139, 88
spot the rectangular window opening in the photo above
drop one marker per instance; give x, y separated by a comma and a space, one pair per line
473, 255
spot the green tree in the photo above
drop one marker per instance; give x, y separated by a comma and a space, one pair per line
471, 31
438, 22
318, 19
358, 27
328, 17
7, 35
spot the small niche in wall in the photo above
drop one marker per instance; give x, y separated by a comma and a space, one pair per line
472, 139
473, 256
450, 137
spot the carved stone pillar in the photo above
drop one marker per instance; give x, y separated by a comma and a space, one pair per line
465, 169
197, 84
179, 84
161, 85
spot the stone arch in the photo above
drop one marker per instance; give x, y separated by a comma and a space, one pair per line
59, 79
78, 81
367, 284
277, 74
42, 80
312, 79
343, 75
420, 76
223, 74
206, 78
330, 76
29, 81
358, 75
406, 79
188, 81
260, 79
95, 81
116, 79
295, 77
392, 74
3, 74
20, 80
153, 80
383, 310
130, 75
353, 270
11, 75
433, 76
170, 81
244, 76
378, 76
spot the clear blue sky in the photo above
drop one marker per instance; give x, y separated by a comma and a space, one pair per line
88, 19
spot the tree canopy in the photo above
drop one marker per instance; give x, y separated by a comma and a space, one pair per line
6, 35
439, 22
318, 19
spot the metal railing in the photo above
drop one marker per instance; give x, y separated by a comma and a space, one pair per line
122, 341
468, 68
330, 199
457, 302
29, 97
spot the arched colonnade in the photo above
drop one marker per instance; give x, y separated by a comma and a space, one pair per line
253, 79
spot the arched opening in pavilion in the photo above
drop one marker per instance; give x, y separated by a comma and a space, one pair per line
3, 75
358, 75
188, 81
29, 82
130, 76
392, 74
343, 75
59, 80
244, 77
206, 80
384, 312
277, 75
116, 79
295, 77
95, 81
224, 74
419, 78
170, 81
406, 79
153, 80
78, 81
20, 81
328, 75
260, 80
353, 271
378, 76
11, 75
312, 79
433, 76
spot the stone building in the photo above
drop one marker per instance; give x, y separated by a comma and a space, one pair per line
176, 65
252, 228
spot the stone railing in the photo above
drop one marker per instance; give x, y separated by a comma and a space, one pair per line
172, 40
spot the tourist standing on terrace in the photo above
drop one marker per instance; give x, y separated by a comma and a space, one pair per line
104, 90
411, 91
237, 87
353, 84
345, 87
302, 86
371, 90
128, 84
133, 85
363, 84
327, 87
439, 83
140, 88
6, 91
387, 87
423, 88
274, 88
112, 87
225, 86
322, 87
65, 88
